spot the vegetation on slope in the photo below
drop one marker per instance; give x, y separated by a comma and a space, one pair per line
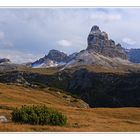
38, 115
80, 119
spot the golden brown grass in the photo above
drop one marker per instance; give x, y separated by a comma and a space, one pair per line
47, 71
122, 69
79, 119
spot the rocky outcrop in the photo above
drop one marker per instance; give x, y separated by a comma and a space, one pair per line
99, 42
3, 119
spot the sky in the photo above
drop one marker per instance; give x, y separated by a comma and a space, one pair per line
26, 34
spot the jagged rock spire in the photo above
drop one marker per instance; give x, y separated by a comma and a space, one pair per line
99, 42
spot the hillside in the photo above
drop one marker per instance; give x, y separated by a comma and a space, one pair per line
91, 120
97, 86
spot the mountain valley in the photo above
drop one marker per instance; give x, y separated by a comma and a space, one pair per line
100, 85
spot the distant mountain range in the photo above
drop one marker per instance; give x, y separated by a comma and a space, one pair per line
100, 51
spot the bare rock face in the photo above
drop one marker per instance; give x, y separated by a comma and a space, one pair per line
57, 56
99, 42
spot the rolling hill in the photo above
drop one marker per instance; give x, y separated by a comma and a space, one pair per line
80, 117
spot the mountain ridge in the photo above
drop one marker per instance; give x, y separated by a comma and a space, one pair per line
100, 51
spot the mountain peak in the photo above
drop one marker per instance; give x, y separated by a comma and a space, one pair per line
53, 51
99, 42
95, 28
57, 55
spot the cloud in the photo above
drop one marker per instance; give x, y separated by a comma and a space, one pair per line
2, 35
107, 17
18, 57
64, 43
4, 42
128, 41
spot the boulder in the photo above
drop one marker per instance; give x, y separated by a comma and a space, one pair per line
3, 119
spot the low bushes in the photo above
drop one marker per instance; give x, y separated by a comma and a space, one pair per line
38, 115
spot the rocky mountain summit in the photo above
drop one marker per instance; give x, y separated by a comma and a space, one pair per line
99, 42
100, 51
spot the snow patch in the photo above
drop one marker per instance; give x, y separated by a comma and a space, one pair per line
48, 64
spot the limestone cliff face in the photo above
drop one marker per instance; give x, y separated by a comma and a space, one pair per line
99, 42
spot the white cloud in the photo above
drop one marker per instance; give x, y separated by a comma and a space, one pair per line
4, 42
107, 17
128, 41
64, 43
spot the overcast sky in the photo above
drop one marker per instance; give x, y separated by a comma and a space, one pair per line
28, 34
